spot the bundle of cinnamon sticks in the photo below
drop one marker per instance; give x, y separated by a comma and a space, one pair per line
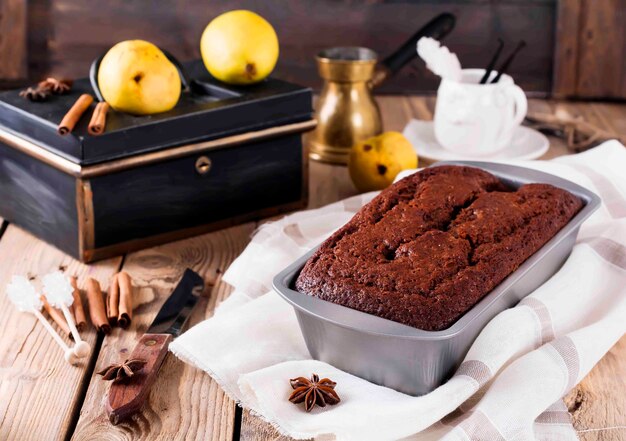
115, 309
118, 307
98, 118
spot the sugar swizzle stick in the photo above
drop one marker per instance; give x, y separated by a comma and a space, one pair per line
58, 290
23, 295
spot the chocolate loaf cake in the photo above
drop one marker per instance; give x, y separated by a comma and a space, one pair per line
429, 247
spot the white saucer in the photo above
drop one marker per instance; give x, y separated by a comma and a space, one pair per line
526, 143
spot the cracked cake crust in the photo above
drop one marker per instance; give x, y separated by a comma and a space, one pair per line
430, 246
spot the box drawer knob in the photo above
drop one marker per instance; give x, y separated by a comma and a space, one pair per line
203, 165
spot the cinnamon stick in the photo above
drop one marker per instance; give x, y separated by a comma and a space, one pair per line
73, 115
77, 307
126, 299
96, 306
57, 316
113, 301
98, 119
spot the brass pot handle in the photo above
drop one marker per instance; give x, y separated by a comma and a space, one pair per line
437, 28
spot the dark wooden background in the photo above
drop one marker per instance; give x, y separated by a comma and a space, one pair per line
576, 48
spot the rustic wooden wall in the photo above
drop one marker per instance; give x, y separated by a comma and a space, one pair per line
602, 49
575, 47
65, 35
13, 39
590, 54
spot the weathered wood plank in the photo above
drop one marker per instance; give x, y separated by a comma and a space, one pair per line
255, 429
612, 115
40, 37
13, 52
597, 404
39, 392
185, 402
602, 50
564, 75
589, 59
395, 111
328, 184
422, 108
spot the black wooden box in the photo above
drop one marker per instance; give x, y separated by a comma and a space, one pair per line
224, 155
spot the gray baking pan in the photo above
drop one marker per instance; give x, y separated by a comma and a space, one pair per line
411, 360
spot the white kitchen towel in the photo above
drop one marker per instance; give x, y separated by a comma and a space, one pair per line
512, 380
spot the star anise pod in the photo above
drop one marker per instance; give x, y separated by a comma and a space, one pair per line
118, 372
35, 94
58, 87
313, 391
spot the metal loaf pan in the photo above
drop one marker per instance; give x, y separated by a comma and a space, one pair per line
411, 360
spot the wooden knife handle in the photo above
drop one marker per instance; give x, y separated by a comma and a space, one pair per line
127, 397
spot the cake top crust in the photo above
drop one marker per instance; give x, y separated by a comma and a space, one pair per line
431, 245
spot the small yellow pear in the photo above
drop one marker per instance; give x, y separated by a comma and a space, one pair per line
375, 162
239, 47
136, 77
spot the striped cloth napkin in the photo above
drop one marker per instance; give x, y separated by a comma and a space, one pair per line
510, 385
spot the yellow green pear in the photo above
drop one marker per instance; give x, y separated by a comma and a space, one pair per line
375, 162
136, 77
239, 47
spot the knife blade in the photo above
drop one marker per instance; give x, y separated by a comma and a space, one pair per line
128, 397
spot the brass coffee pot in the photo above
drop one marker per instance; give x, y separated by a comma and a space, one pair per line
346, 110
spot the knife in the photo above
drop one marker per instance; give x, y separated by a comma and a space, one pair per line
127, 397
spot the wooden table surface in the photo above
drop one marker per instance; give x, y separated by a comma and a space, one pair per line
43, 398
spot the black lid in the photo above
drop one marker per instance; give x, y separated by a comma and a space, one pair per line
212, 110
